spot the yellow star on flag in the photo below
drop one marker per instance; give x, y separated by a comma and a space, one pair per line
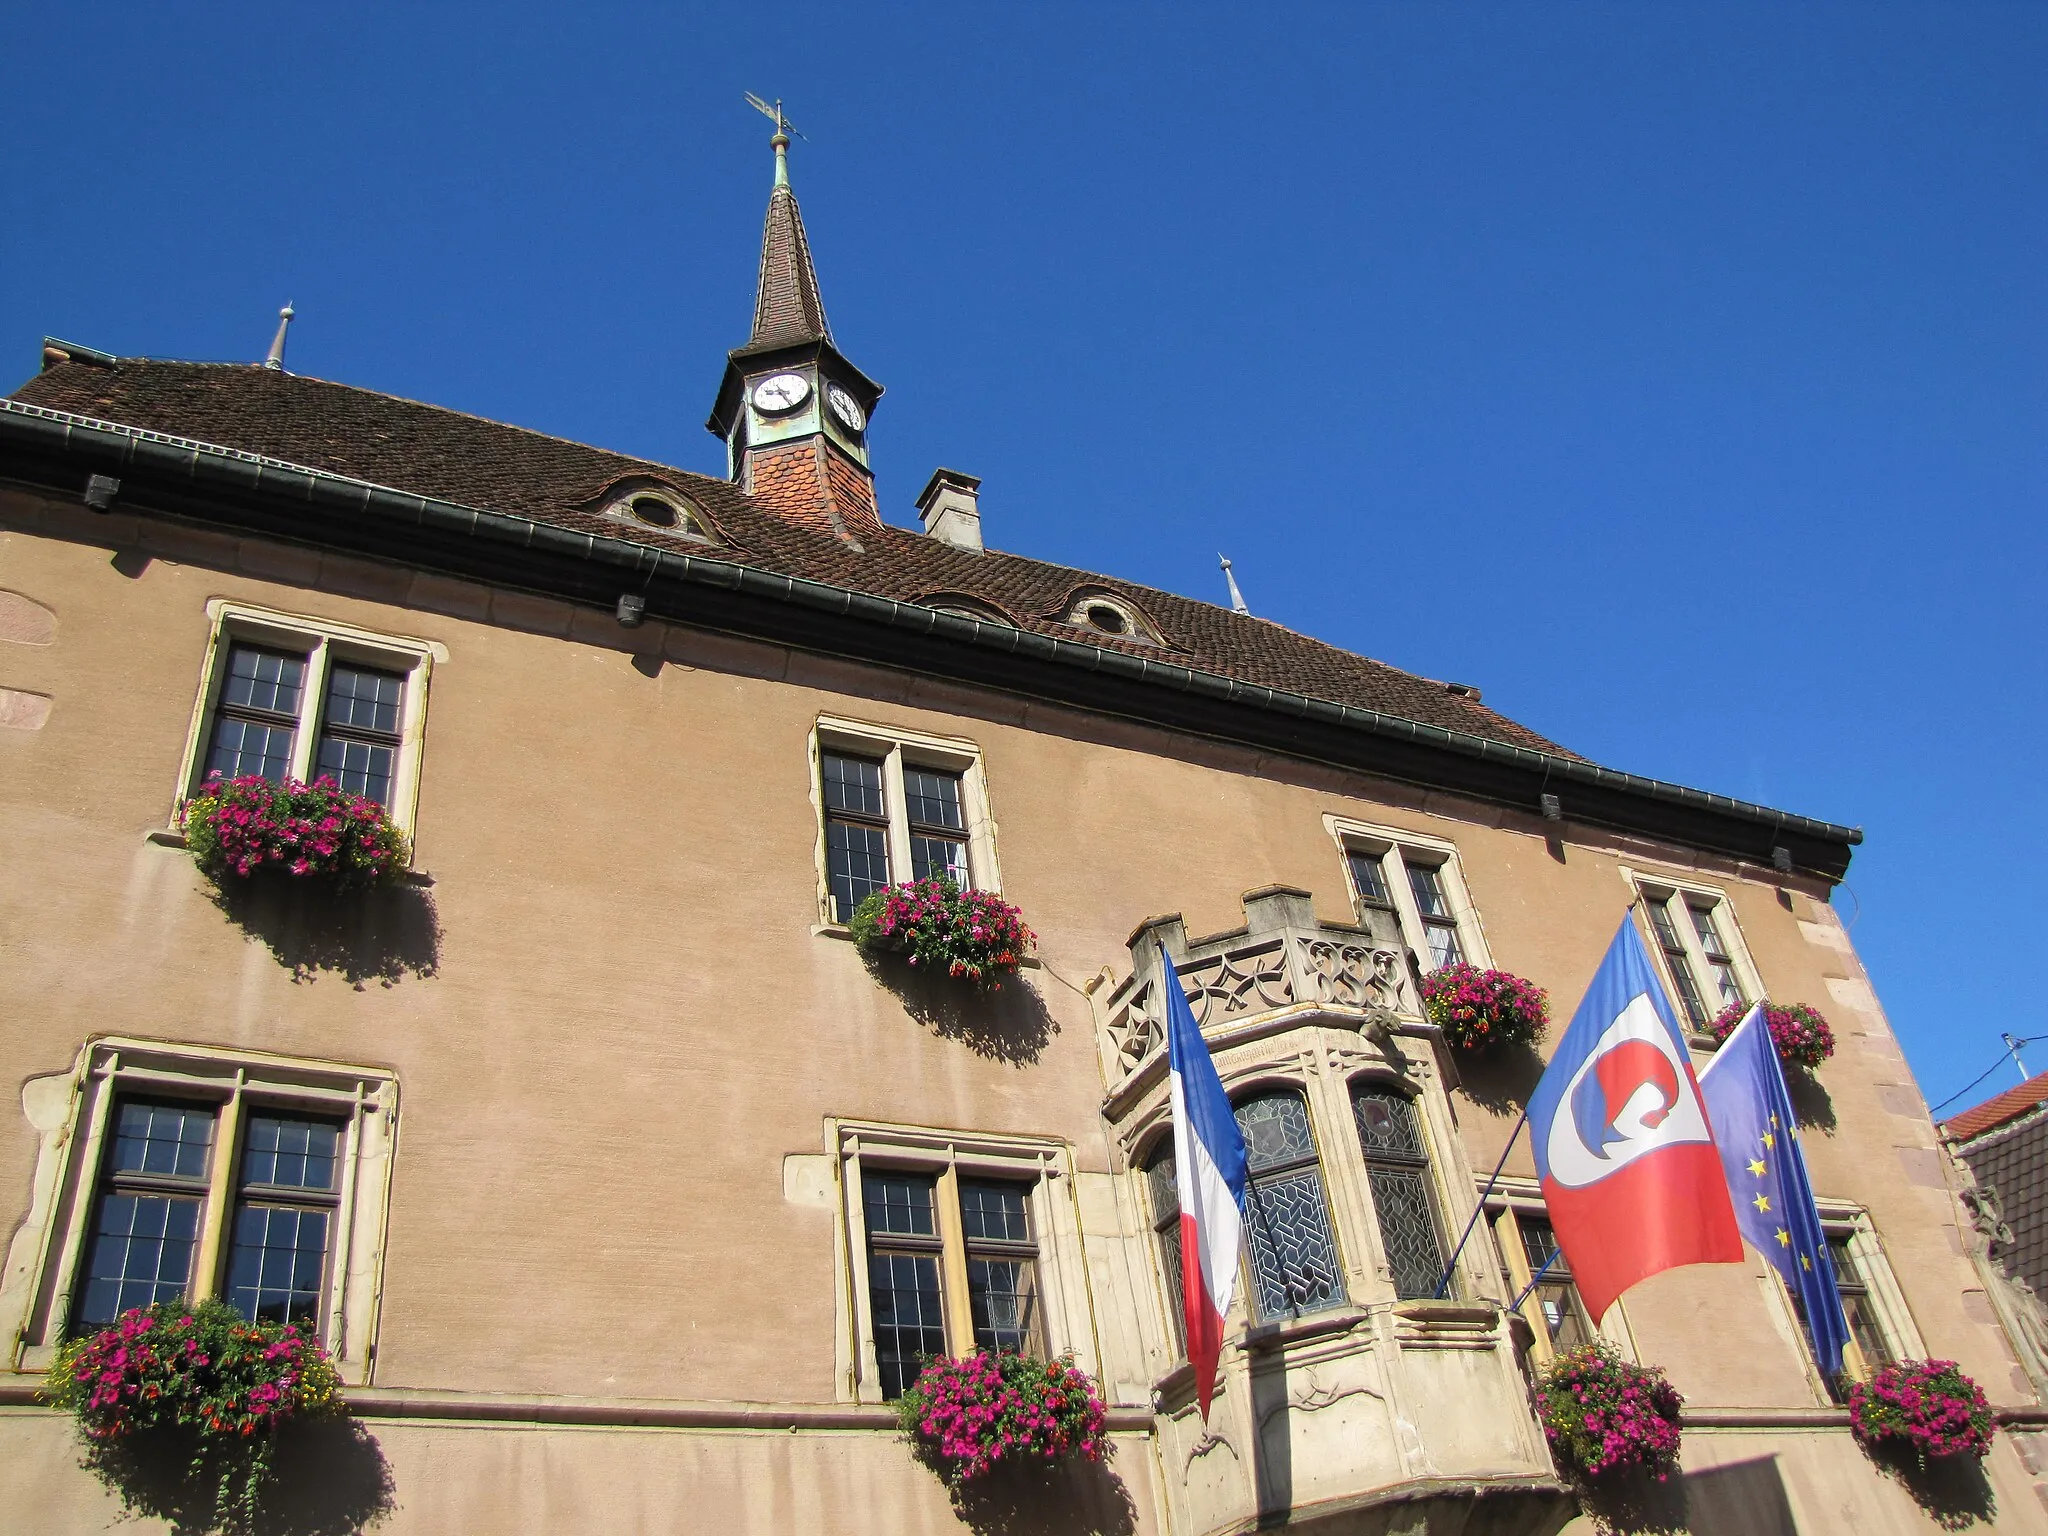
1756, 1167
1805, 1262
1763, 1202
1784, 1238
1769, 1141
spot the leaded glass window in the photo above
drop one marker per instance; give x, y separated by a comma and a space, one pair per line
904, 1253
1002, 1265
1856, 1308
359, 736
1161, 1180
284, 1216
938, 828
856, 830
1439, 923
1397, 1173
1287, 1222
153, 1186
1676, 958
257, 721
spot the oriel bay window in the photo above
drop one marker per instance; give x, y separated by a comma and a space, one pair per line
289, 697
1294, 1261
1398, 1178
898, 806
197, 1174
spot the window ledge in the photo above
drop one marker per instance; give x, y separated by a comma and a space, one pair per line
171, 837
842, 931
1277, 1335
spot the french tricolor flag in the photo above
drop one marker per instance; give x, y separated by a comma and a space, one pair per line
1208, 1163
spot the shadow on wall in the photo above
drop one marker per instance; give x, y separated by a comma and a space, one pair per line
1951, 1491
1079, 1498
1009, 1025
359, 936
329, 1479
1811, 1104
1744, 1498
1500, 1080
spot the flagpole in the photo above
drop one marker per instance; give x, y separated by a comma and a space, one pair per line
1535, 1279
1444, 1280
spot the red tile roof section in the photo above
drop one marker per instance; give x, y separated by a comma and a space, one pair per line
1992, 1113
473, 462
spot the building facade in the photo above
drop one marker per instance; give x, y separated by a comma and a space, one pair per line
627, 1194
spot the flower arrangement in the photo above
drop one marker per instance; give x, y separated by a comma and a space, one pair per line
972, 936
1801, 1035
1927, 1406
973, 1415
202, 1371
1602, 1413
236, 828
1478, 1009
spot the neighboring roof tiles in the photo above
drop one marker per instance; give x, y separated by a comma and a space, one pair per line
468, 460
1992, 1113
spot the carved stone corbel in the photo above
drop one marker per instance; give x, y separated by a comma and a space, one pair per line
2020, 1311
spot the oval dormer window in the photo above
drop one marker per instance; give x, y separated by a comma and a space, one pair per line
654, 512
1110, 615
1105, 618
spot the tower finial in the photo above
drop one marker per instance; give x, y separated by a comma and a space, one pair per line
1237, 602
783, 129
284, 319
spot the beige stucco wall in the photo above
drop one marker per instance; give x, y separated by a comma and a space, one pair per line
632, 1024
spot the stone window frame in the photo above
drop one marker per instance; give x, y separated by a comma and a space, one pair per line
1354, 1219
1888, 1307
1066, 1321
71, 1113
1513, 1197
894, 746
1138, 627
322, 641
1406, 847
1654, 885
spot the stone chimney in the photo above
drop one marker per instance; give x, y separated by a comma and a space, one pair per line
950, 509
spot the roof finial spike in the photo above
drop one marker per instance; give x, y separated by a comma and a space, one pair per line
1237, 602
284, 319
783, 129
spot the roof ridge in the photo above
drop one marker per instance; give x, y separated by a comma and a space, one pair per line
425, 405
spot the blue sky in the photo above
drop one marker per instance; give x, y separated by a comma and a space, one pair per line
1674, 372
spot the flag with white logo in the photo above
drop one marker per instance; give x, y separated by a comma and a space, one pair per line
1622, 1141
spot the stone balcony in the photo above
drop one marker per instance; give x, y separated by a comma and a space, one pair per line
1371, 1413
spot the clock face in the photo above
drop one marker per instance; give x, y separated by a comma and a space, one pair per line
846, 408
783, 392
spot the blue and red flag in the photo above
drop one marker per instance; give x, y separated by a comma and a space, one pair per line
1209, 1171
1622, 1140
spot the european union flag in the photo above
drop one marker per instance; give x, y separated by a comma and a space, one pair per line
1752, 1116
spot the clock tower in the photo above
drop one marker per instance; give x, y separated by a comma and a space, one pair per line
792, 411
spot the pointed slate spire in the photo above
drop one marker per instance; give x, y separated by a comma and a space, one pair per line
787, 307
1237, 602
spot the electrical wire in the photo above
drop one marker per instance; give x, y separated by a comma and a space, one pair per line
2003, 1057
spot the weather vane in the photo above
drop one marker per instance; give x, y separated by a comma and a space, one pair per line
783, 125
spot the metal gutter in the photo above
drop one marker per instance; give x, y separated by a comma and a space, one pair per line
209, 472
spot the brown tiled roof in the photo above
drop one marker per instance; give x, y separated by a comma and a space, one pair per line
1992, 1113
429, 451
788, 308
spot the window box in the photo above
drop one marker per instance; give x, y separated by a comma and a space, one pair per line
238, 829
200, 1388
1604, 1415
1926, 1408
992, 1409
941, 930
1800, 1033
1483, 1010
